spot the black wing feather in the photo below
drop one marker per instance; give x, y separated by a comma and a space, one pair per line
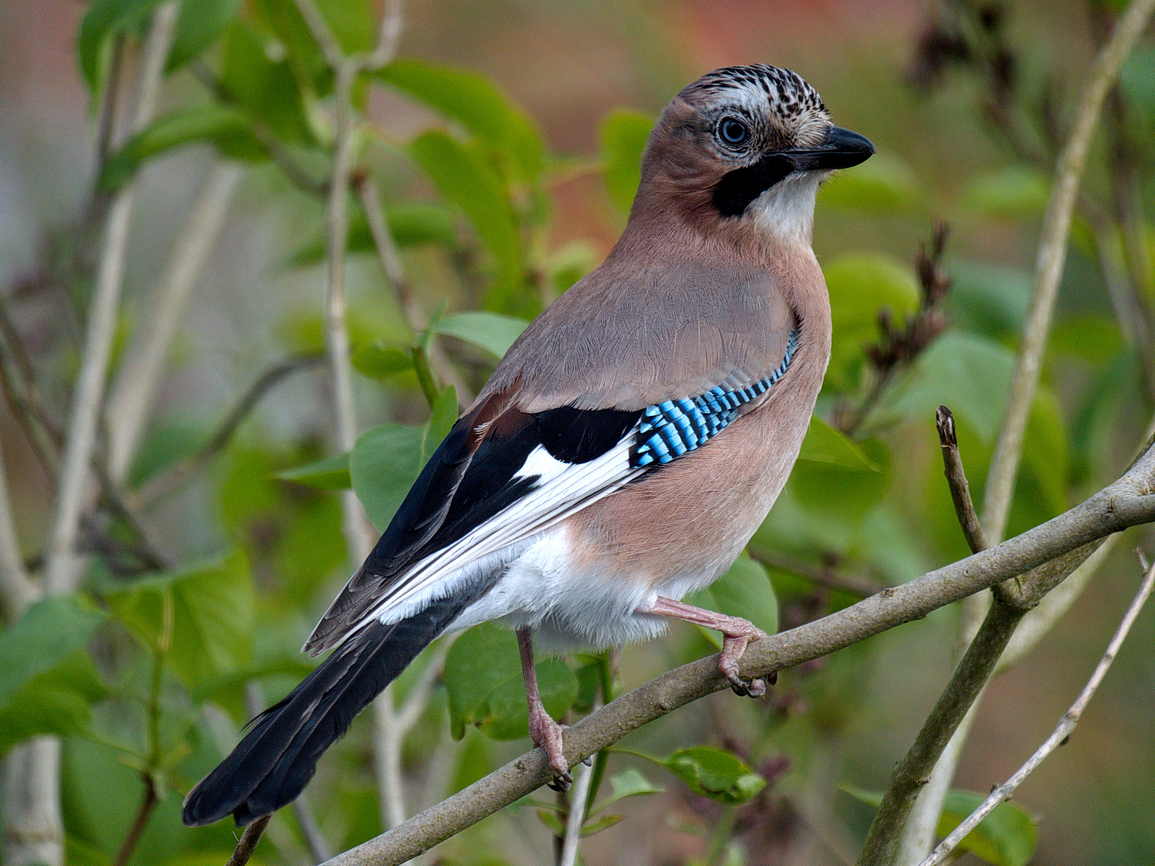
468, 480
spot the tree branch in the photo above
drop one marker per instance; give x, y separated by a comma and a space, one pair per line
17, 590
1057, 738
132, 397
1126, 502
1003, 471
247, 844
358, 535
1049, 265
35, 827
62, 559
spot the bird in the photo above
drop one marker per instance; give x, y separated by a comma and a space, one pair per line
622, 453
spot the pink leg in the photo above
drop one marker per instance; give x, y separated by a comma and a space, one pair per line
543, 730
737, 633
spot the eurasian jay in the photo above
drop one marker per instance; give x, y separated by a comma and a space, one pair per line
624, 450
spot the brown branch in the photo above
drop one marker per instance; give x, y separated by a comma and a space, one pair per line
148, 804
1126, 502
956, 477
247, 844
822, 575
1058, 737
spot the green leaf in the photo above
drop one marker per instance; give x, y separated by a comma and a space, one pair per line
882, 185
209, 123
824, 444
330, 473
264, 87
861, 285
490, 331
351, 21
630, 782
990, 299
442, 415
1006, 837
378, 361
48, 631
200, 617
1014, 192
590, 828
48, 682
841, 497
483, 678
103, 20
383, 466
466, 180
715, 773
57, 701
200, 23
744, 590
965, 371
412, 224
623, 135
478, 105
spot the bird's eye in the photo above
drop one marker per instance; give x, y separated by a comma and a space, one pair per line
733, 131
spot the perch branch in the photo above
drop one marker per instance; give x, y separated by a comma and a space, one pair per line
1126, 502
1057, 738
1051, 256
247, 844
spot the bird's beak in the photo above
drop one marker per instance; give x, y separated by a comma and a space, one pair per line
840, 149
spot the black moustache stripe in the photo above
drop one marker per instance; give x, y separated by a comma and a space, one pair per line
734, 192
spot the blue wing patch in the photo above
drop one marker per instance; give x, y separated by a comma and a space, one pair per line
675, 427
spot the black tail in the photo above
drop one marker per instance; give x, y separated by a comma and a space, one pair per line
278, 755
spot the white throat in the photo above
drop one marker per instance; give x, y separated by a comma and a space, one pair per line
786, 210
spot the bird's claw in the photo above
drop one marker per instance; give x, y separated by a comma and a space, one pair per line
733, 648
547, 735
560, 783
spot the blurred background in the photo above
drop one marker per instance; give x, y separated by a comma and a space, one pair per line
967, 104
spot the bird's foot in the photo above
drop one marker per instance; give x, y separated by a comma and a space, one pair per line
547, 735
736, 636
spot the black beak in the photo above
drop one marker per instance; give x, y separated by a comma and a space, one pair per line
841, 149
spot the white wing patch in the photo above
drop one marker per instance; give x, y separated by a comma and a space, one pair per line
563, 489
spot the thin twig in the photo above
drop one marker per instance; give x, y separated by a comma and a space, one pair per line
62, 560
148, 803
821, 575
1049, 265
17, 590
969, 679
576, 817
171, 479
1058, 737
247, 844
956, 477
276, 151
133, 395
1003, 471
1126, 502
358, 535
391, 264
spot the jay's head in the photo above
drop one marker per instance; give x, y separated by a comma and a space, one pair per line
746, 145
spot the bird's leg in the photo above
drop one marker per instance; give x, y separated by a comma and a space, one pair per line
543, 730
736, 635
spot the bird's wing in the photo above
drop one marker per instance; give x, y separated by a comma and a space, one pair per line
503, 475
